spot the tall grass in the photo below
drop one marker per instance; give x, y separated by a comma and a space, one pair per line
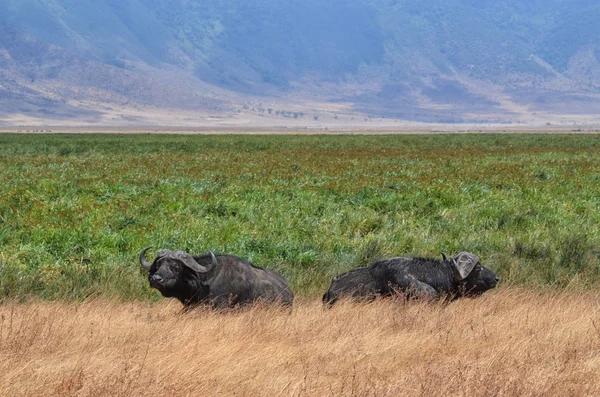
76, 209
513, 342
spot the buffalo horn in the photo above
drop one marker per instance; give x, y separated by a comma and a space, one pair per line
213, 259
145, 264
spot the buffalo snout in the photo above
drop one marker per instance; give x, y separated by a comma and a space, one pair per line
156, 281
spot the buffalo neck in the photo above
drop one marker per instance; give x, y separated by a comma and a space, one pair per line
193, 288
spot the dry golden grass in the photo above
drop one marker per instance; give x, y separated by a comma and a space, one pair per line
510, 342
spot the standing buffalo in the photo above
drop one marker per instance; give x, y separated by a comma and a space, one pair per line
222, 280
415, 277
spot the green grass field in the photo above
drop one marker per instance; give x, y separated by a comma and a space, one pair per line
75, 210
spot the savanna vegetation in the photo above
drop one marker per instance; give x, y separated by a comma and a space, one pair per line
75, 210
513, 342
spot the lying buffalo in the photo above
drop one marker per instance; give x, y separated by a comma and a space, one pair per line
415, 277
221, 280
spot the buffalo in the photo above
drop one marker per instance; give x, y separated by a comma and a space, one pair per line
414, 278
221, 281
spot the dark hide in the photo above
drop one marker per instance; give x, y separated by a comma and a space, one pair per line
357, 284
413, 277
232, 281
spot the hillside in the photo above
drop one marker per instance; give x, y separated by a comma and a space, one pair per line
113, 61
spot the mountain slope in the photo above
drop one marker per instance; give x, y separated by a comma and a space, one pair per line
454, 60
45, 81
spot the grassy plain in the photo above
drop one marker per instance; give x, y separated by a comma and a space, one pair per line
76, 209
510, 342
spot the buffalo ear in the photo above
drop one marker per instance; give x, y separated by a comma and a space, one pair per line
465, 263
188, 261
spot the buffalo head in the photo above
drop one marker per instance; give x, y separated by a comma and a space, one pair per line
483, 279
474, 278
170, 269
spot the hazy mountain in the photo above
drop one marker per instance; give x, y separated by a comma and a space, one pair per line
451, 60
